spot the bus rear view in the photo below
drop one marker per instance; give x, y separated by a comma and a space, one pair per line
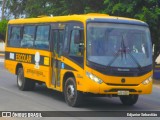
119, 58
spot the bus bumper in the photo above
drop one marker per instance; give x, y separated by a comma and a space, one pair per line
103, 88
140, 89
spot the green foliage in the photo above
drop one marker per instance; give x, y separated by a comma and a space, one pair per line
34, 8
16, 7
3, 26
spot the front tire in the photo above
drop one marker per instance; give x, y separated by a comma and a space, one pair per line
72, 96
129, 100
23, 83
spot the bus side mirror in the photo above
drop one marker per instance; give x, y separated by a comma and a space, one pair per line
76, 36
2, 37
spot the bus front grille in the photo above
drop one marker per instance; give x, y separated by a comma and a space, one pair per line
110, 84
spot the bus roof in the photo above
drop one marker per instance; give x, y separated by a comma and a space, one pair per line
82, 18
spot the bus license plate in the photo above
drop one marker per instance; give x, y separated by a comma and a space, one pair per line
123, 92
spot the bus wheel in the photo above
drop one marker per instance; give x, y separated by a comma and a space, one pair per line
72, 96
129, 100
23, 83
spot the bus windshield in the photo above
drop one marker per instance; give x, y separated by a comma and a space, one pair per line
119, 45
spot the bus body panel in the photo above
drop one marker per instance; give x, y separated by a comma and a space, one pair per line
14, 57
107, 89
10, 66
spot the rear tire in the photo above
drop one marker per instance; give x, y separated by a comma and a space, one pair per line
129, 100
72, 96
23, 83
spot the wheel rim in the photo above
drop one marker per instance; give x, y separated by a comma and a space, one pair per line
70, 92
20, 79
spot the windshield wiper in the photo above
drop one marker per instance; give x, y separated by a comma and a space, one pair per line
123, 50
134, 59
116, 56
120, 51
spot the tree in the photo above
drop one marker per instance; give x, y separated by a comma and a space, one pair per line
3, 26
16, 8
35, 8
32, 8
3, 9
94, 6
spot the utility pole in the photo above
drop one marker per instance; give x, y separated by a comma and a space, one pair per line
3, 7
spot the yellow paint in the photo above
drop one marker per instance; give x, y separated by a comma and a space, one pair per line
46, 60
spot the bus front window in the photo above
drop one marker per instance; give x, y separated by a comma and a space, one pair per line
119, 45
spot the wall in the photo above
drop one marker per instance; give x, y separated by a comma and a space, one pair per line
1, 46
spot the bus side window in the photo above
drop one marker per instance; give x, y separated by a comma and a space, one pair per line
55, 39
28, 36
60, 46
9, 33
42, 37
15, 37
76, 44
66, 35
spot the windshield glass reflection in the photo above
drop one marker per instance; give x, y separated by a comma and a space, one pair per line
117, 45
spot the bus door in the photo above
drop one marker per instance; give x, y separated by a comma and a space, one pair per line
56, 55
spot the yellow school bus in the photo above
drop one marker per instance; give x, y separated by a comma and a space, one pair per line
90, 54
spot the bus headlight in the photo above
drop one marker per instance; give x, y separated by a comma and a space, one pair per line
93, 77
147, 81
